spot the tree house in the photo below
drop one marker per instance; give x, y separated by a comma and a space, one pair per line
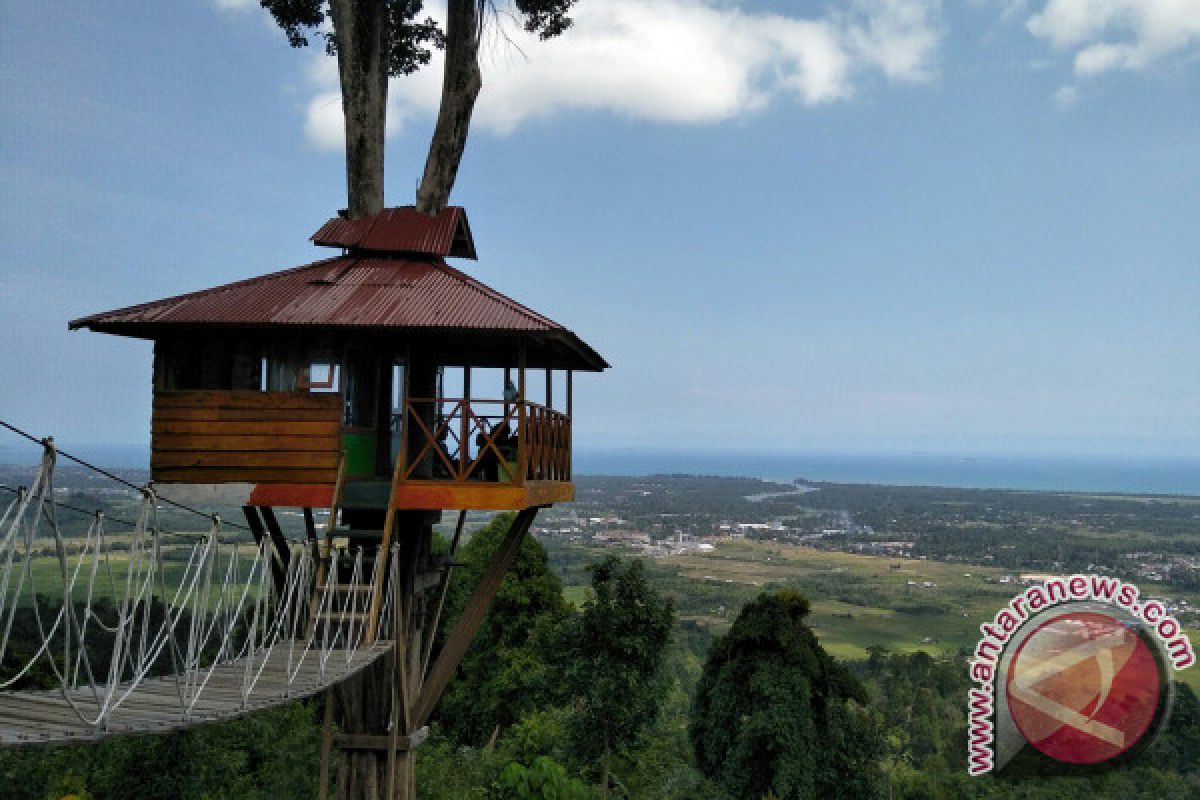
381, 383
265, 387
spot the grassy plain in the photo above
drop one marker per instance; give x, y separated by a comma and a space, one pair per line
45, 574
858, 600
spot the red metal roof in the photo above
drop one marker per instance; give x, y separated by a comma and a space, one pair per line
402, 230
345, 291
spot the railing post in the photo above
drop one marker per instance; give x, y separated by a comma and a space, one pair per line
464, 450
523, 413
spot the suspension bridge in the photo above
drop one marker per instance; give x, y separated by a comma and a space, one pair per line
152, 631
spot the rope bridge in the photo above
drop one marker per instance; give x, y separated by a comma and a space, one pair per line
152, 631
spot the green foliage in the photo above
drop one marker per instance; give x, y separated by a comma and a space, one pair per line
775, 713
610, 660
544, 779
410, 40
447, 770
267, 755
920, 701
505, 673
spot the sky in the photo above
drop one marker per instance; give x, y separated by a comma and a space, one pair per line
857, 226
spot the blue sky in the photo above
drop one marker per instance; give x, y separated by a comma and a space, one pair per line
864, 226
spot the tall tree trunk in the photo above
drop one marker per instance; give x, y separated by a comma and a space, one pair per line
360, 30
461, 83
607, 771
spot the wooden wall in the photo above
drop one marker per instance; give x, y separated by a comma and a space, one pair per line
221, 436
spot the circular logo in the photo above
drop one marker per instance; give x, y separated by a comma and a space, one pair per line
1083, 687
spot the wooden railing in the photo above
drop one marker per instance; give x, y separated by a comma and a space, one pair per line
484, 440
226, 436
547, 437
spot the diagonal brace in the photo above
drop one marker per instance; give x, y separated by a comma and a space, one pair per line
472, 617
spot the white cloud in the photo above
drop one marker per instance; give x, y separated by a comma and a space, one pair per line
670, 61
1106, 35
1066, 96
897, 36
237, 5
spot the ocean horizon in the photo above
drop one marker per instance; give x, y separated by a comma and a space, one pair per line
1070, 473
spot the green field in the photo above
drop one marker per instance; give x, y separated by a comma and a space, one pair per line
45, 574
858, 600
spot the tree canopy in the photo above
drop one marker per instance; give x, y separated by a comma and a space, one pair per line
410, 40
775, 713
504, 674
610, 660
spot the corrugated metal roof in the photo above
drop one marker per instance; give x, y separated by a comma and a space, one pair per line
402, 230
345, 291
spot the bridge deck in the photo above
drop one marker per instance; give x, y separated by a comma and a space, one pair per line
154, 706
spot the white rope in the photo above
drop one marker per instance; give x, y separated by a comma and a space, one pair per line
218, 611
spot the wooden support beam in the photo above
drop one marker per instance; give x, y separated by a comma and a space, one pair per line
326, 553
367, 741
282, 551
442, 591
278, 573
381, 555
472, 616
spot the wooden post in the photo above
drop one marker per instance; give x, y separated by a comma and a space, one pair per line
507, 380
405, 412
326, 747
464, 458
326, 553
569, 425
256, 528
283, 553
400, 696
522, 415
549, 388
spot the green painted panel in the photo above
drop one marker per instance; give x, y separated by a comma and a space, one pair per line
359, 449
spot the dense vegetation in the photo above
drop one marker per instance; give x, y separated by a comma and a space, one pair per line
555, 695
775, 714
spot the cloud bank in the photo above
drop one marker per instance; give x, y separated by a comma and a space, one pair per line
1107, 35
670, 62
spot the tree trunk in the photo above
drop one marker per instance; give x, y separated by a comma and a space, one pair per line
461, 83
362, 709
607, 772
363, 705
360, 30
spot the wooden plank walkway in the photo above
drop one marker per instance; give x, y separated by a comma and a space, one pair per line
44, 717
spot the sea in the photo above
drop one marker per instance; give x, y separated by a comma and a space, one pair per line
1073, 473
1117, 474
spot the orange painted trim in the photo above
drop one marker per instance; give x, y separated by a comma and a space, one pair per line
295, 495
479, 496
544, 493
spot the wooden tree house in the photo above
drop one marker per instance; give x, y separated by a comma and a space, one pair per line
324, 386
